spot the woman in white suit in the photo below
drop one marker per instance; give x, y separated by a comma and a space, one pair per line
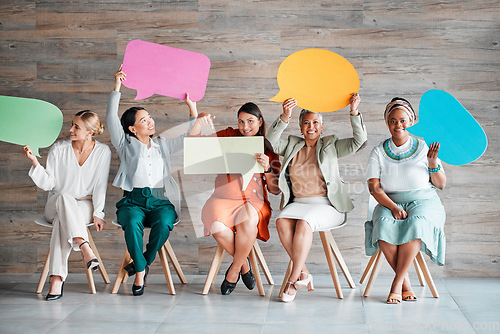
313, 194
76, 177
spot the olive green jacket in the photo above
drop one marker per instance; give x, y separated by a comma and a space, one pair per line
328, 150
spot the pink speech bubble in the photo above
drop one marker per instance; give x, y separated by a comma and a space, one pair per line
158, 69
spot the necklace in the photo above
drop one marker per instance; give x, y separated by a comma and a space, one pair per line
413, 147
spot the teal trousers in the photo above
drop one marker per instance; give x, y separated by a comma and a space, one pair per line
140, 208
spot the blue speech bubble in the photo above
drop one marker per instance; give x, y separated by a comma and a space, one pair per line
443, 119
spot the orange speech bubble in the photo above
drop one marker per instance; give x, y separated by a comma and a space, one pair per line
320, 80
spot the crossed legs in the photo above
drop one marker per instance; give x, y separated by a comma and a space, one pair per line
238, 244
400, 258
296, 236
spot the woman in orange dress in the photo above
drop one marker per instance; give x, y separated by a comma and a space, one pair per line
235, 218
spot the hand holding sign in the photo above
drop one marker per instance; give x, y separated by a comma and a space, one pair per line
30, 122
320, 80
222, 155
443, 119
158, 69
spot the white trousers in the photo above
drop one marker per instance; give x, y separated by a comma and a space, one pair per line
69, 217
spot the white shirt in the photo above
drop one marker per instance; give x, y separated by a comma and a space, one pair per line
149, 167
408, 173
63, 174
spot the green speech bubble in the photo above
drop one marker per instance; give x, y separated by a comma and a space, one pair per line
30, 122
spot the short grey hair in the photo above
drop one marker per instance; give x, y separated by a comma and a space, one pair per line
304, 111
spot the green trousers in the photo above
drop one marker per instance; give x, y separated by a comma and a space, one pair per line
140, 208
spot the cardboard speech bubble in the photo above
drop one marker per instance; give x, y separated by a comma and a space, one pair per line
223, 155
30, 122
443, 119
158, 69
320, 80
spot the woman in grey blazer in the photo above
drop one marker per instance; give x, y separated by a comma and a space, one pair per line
313, 195
151, 197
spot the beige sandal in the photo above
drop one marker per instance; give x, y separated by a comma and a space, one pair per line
409, 296
394, 298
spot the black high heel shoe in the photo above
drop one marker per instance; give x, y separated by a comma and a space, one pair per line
55, 297
92, 264
227, 287
138, 290
248, 278
130, 269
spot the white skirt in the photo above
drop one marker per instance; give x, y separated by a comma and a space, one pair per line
318, 212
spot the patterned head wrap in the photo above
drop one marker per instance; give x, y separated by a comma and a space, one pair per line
399, 103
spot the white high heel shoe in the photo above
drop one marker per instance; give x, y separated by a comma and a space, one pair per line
306, 282
285, 297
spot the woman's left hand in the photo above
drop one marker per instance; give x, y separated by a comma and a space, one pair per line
263, 160
192, 106
432, 155
99, 224
354, 103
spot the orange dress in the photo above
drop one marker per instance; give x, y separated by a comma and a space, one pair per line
228, 199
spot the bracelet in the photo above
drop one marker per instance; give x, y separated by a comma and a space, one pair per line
352, 111
434, 170
269, 170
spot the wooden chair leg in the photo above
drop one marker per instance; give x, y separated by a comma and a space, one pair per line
286, 277
256, 272
369, 266
339, 258
166, 270
122, 273
375, 270
44, 274
171, 255
90, 278
102, 270
418, 270
263, 263
427, 274
214, 269
331, 264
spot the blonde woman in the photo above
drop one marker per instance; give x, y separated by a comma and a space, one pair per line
76, 177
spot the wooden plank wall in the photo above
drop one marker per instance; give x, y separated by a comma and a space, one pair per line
66, 52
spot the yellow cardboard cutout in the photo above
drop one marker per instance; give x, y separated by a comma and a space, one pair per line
223, 155
320, 80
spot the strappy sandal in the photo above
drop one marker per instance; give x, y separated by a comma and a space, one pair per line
285, 297
409, 296
394, 298
92, 264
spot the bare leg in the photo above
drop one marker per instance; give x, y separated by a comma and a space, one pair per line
391, 254
286, 231
246, 233
302, 241
87, 252
406, 254
55, 285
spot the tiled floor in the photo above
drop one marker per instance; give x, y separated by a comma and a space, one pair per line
465, 305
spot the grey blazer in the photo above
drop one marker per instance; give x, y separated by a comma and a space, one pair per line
328, 150
128, 149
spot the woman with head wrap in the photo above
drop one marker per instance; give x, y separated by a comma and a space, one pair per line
403, 174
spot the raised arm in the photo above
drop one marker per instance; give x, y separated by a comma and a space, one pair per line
359, 136
112, 120
43, 178
438, 177
279, 125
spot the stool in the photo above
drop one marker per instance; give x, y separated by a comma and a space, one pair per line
255, 254
45, 271
375, 263
163, 252
331, 250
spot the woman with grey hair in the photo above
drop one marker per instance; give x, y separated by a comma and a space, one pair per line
313, 195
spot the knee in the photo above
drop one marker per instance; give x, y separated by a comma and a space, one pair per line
303, 227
